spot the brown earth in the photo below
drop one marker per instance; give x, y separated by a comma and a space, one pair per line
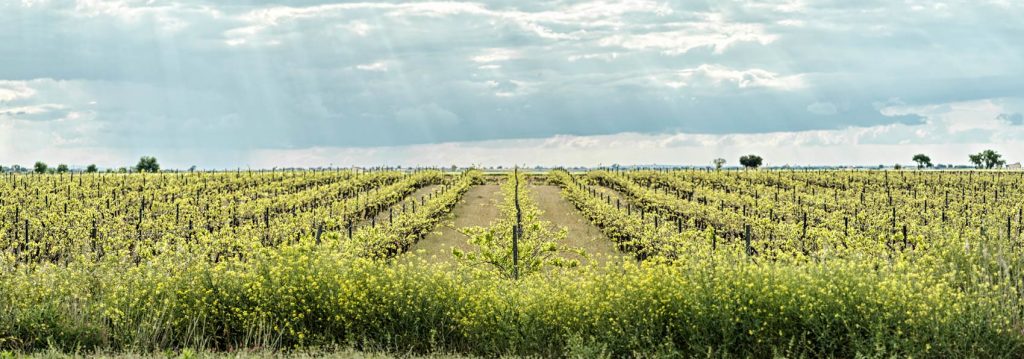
478, 207
582, 234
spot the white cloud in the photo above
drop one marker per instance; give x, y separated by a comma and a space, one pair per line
712, 32
14, 90
43, 112
791, 22
596, 56
958, 117
495, 55
709, 75
379, 66
360, 28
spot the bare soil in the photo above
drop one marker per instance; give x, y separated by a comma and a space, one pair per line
478, 207
582, 234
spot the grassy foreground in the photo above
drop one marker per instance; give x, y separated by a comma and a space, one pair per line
192, 354
305, 296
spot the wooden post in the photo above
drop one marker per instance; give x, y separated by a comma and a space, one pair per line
1009, 233
517, 230
894, 219
319, 231
746, 239
904, 236
846, 226
804, 233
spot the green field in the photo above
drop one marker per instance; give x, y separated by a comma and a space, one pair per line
754, 263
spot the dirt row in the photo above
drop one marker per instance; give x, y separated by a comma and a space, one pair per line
479, 207
582, 234
476, 208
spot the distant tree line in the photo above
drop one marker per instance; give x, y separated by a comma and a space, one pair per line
987, 159
145, 164
748, 161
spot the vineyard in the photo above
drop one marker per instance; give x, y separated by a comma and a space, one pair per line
605, 262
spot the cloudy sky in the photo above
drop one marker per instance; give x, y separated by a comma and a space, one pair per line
225, 84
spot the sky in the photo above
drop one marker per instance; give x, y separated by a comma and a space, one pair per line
260, 84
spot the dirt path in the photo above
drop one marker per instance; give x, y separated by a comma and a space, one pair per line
582, 234
478, 207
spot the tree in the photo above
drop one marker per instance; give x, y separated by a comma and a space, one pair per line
923, 160
987, 159
41, 167
61, 168
751, 161
718, 162
538, 242
91, 169
976, 160
147, 164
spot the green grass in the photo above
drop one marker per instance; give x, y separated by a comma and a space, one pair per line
342, 353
